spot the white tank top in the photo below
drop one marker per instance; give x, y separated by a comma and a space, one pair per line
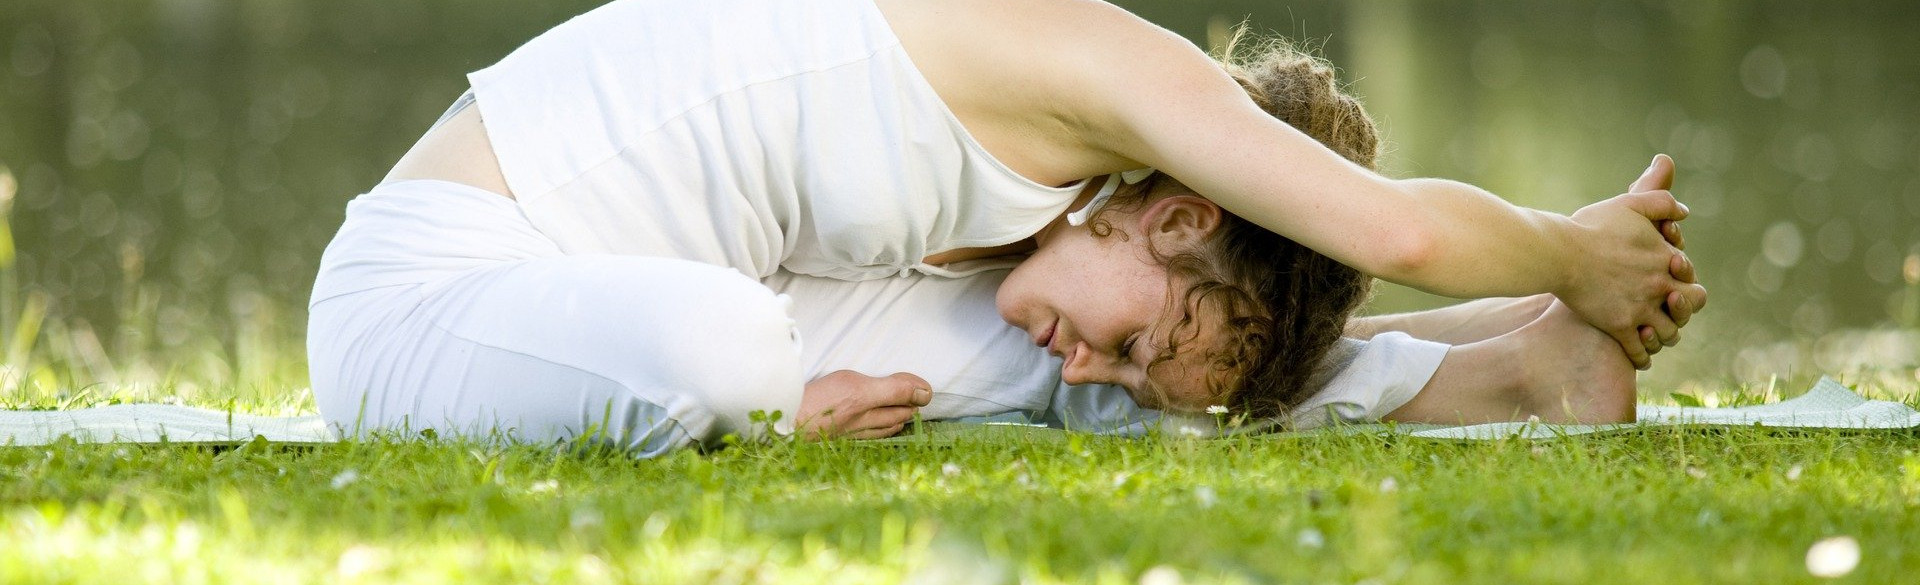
755, 134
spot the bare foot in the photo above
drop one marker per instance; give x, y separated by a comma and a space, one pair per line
1571, 372
1556, 367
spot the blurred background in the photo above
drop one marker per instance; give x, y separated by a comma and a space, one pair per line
174, 167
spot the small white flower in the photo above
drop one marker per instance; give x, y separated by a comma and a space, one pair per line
1311, 538
1206, 496
345, 478
1389, 485
1833, 557
544, 486
1216, 409
1793, 473
1192, 432
950, 469
1696, 472
1120, 479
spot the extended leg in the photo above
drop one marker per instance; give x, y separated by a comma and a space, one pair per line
1467, 322
1556, 367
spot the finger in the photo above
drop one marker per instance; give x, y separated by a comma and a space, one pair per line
822, 424
880, 418
1655, 205
1664, 329
922, 392
1680, 267
1658, 176
1670, 230
878, 433
895, 390
1650, 339
1684, 302
1629, 340
1679, 309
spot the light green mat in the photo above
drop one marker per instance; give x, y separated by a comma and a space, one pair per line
157, 423
1827, 405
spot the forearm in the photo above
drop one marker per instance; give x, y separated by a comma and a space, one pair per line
1458, 324
1472, 244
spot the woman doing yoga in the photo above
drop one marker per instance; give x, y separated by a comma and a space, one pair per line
584, 246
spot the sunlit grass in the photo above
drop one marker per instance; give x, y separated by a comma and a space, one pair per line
1666, 506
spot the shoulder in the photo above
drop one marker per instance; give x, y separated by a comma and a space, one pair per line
1071, 39
1084, 64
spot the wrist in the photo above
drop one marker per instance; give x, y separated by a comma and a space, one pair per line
1566, 254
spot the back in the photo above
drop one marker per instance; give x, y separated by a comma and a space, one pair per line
754, 134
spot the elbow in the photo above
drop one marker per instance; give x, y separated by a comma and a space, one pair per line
1408, 254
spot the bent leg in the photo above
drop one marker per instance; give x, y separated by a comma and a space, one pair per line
650, 353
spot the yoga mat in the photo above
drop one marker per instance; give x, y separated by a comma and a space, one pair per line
1828, 405
157, 423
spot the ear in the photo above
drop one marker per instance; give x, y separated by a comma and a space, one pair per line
1180, 222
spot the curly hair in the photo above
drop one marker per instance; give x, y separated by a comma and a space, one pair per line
1283, 305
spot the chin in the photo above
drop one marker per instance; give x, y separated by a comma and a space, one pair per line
1146, 403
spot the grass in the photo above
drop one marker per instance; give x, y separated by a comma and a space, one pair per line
1665, 505
1669, 506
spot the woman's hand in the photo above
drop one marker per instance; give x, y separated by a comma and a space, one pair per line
850, 404
1681, 304
1635, 283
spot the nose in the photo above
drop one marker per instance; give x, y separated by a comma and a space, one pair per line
1083, 366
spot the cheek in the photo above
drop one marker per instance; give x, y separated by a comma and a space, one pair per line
1185, 378
1014, 293
1186, 391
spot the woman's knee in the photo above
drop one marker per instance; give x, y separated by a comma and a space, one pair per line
734, 349
709, 342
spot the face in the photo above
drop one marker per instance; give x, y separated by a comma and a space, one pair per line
1104, 304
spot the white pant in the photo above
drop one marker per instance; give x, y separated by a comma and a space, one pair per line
440, 306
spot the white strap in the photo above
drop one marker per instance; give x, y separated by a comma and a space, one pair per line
1107, 190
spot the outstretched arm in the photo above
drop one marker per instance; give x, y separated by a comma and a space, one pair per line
1153, 99
1484, 319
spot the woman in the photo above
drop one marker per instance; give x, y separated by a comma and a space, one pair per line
610, 167
1496, 359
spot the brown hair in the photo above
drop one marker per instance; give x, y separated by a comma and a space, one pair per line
1283, 305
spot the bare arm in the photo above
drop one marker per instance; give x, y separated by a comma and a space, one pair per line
1158, 101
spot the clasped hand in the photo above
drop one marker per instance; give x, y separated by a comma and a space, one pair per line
854, 405
1635, 281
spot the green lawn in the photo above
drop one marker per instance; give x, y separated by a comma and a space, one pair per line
1657, 506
